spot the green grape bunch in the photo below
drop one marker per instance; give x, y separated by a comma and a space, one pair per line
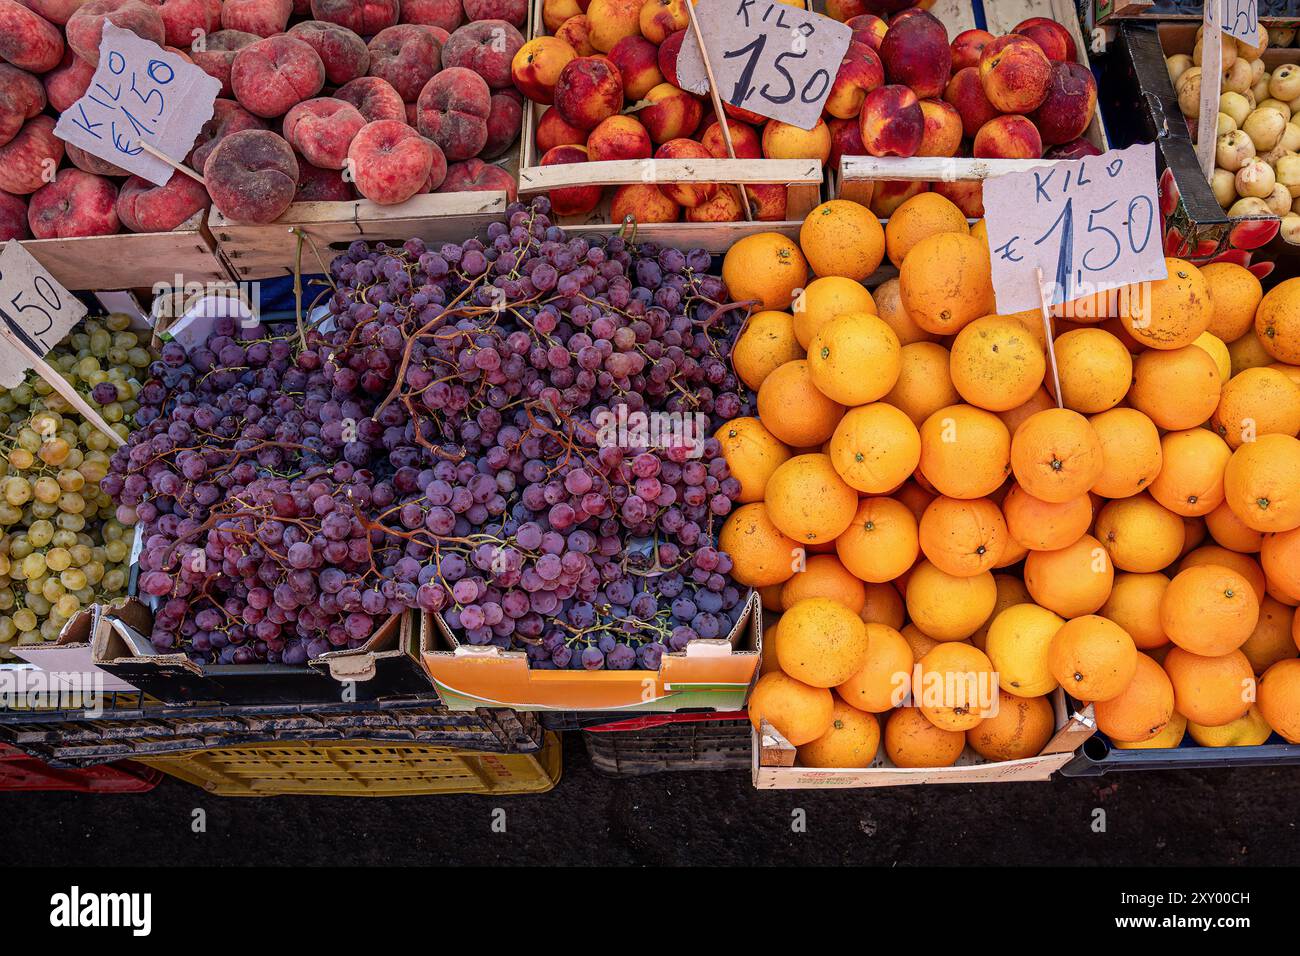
63, 546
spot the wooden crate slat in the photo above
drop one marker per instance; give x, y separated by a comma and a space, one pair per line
627, 172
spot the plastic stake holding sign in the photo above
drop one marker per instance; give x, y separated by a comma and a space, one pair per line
141, 100
1240, 18
1090, 225
770, 58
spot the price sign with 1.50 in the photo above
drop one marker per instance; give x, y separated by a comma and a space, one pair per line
1240, 18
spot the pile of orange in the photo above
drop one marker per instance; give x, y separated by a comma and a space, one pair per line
920, 513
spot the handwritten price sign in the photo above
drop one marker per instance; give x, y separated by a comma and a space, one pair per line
1090, 225
35, 308
140, 93
1240, 18
769, 57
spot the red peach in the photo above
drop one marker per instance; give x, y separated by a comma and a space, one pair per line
571, 200
915, 52
28, 161
272, 75
555, 12
485, 46
407, 56
322, 130
576, 31
505, 118
688, 194
74, 204
1015, 73
252, 176
675, 113
68, 82
1071, 101
453, 111
437, 167
21, 97
889, 194
966, 93
86, 27
30, 42
744, 115
344, 54
869, 29
322, 185
263, 17
217, 55
1053, 37
474, 175
611, 20
966, 194
514, 12
846, 140
444, 14
846, 10
892, 123
537, 65
723, 207
860, 72
590, 88
1008, 137
638, 65
1075, 149
184, 21
659, 18
227, 117
13, 217
56, 11
787, 141
767, 200
619, 137
942, 129
144, 207
90, 163
642, 203
967, 47
389, 161
553, 130
374, 98
366, 17
667, 56
744, 140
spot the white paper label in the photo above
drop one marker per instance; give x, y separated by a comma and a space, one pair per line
1240, 18
34, 307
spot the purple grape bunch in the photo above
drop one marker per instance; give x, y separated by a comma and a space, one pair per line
512, 433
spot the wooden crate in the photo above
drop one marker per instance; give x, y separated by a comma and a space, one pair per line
133, 260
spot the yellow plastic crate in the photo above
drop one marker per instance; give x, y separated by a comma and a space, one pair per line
348, 768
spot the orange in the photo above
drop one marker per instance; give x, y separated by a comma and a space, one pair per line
1277, 322
1020, 729
808, 501
875, 448
1142, 709
881, 541
1194, 532
823, 300
1231, 532
1248, 731
1131, 452
1290, 371
1045, 525
1279, 699
1139, 534
1018, 644
752, 453
1209, 610
995, 364
924, 381
1056, 455
885, 679
765, 267
769, 663
1040, 401
1174, 311
855, 358
965, 451
823, 643
767, 343
1243, 564
1013, 553
884, 605
800, 713
1218, 350
1280, 557
761, 555
1167, 739
1092, 658
912, 741
1011, 591
946, 282
1175, 389
771, 597
923, 215
852, 740
916, 496
842, 238
957, 686
1190, 482
793, 409
1248, 352
1095, 369
946, 607
921, 644
889, 306
1134, 604
1271, 641
1234, 294
963, 537
1259, 401
1211, 690
1261, 483
824, 576
1073, 580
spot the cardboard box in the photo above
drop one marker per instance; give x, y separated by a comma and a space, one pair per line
773, 761
708, 675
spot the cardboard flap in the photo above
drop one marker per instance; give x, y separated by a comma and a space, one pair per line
713, 648
113, 642
353, 667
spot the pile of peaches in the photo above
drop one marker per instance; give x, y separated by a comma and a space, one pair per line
608, 71
382, 99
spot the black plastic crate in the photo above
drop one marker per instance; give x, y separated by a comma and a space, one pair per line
1098, 757
656, 743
